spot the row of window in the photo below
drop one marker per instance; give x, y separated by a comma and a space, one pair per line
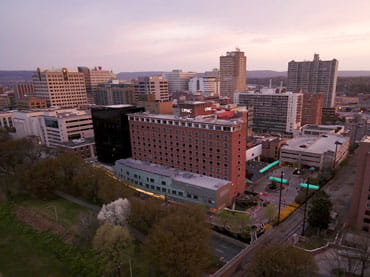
186, 124
162, 131
169, 191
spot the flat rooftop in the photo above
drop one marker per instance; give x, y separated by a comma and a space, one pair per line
78, 142
270, 92
366, 139
316, 145
120, 106
176, 174
198, 119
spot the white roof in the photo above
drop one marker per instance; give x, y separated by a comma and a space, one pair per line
176, 174
316, 145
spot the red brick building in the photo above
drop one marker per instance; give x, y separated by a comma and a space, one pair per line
195, 108
205, 145
312, 108
360, 206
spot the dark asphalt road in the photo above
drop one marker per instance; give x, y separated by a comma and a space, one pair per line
223, 249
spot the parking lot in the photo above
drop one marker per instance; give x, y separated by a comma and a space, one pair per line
267, 195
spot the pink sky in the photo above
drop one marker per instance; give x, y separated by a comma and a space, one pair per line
163, 35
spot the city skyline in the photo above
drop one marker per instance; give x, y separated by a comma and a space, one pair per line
163, 35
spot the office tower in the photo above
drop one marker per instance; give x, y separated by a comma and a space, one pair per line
60, 88
279, 113
24, 89
360, 206
202, 145
115, 93
155, 85
178, 81
207, 86
312, 108
314, 77
94, 77
111, 130
233, 73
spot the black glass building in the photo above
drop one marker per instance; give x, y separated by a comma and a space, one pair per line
111, 130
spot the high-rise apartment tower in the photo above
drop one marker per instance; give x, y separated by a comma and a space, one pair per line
315, 76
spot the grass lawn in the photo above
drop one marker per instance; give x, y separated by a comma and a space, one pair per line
22, 255
313, 242
25, 252
59, 210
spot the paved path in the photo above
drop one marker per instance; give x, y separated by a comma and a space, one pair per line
137, 234
77, 201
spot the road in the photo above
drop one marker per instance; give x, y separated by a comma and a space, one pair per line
225, 249
339, 190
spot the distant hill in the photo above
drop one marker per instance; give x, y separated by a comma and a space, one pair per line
135, 75
353, 73
256, 74
11, 77
8, 78
253, 74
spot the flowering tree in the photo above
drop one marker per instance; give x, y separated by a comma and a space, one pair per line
116, 212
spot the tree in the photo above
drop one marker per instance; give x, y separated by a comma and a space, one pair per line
319, 213
39, 180
179, 243
269, 212
233, 221
87, 182
282, 260
114, 245
146, 213
4, 135
116, 212
69, 165
14, 153
87, 227
111, 189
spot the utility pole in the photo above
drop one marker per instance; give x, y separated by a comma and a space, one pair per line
304, 211
335, 153
281, 188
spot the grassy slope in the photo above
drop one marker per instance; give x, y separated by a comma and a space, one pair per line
67, 213
25, 252
21, 253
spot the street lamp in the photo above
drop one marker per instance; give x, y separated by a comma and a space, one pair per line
335, 153
281, 188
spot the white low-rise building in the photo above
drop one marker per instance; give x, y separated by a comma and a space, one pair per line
318, 130
315, 151
254, 153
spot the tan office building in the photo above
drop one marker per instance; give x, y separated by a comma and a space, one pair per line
94, 77
60, 88
156, 86
233, 73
